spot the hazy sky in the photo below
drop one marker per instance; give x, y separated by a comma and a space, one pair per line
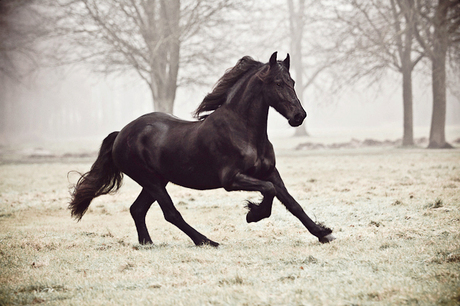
124, 99
362, 108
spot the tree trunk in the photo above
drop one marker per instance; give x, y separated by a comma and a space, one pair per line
438, 61
408, 133
302, 129
407, 66
165, 53
296, 47
438, 118
296, 24
165, 105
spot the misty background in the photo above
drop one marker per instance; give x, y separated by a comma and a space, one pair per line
82, 69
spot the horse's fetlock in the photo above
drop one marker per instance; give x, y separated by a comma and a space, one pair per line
322, 231
250, 205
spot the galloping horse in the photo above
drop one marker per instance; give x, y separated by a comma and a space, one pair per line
227, 147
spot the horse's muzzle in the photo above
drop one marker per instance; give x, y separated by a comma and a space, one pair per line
297, 119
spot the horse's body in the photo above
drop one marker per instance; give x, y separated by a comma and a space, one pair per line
228, 148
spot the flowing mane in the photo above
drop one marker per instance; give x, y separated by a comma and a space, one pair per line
218, 96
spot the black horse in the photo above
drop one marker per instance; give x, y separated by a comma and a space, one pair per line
227, 147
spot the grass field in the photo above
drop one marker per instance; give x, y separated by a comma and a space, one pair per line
395, 213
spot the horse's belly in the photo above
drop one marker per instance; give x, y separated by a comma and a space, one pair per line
194, 179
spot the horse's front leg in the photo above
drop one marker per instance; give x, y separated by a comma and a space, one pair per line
323, 233
244, 182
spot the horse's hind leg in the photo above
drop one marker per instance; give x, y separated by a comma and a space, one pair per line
138, 212
173, 216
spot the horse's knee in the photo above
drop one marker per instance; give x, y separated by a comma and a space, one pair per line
269, 191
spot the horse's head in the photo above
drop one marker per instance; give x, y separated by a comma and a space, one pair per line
279, 91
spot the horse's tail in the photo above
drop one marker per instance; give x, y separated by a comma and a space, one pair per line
103, 178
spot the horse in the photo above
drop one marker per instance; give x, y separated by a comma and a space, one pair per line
225, 147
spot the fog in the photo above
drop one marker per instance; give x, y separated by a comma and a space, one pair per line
374, 112
74, 102
104, 104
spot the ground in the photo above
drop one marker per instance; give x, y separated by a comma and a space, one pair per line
395, 213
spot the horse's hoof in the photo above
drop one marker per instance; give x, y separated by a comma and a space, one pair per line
213, 244
146, 242
250, 218
326, 239
208, 242
251, 215
255, 213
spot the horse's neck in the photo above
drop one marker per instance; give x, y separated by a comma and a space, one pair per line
253, 112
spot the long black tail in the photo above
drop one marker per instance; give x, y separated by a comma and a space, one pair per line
103, 178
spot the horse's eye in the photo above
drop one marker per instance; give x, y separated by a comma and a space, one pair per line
278, 84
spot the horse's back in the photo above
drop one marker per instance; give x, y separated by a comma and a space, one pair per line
161, 145
150, 130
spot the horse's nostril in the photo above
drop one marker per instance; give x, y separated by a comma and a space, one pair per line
299, 117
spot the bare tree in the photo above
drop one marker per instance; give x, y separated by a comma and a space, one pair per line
143, 36
404, 37
19, 31
379, 35
438, 32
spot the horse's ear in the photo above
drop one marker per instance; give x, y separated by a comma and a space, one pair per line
287, 62
273, 59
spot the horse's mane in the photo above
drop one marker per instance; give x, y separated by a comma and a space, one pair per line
218, 96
